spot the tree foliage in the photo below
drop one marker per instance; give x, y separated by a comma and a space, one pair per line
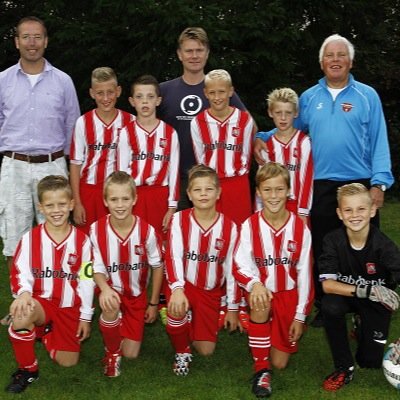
264, 44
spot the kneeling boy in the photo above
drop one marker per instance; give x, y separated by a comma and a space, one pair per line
51, 279
359, 269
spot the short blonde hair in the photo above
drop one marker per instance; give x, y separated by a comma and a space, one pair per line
53, 183
103, 74
194, 33
202, 171
272, 170
119, 178
218, 75
352, 189
283, 95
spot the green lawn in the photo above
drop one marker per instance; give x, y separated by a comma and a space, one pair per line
224, 376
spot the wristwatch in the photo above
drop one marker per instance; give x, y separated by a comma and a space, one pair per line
379, 186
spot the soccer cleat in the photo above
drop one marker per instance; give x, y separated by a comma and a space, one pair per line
262, 383
244, 320
20, 380
181, 363
338, 378
163, 315
112, 364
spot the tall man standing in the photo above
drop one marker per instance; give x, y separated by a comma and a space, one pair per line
183, 98
345, 121
38, 109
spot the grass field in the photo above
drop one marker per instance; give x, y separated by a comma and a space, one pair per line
224, 376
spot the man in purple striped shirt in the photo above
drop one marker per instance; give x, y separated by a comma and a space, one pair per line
38, 110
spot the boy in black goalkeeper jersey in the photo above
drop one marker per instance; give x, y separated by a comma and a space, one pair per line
359, 269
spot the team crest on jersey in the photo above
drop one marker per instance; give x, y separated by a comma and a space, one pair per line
371, 268
139, 249
295, 153
346, 107
72, 259
291, 246
163, 143
235, 132
219, 244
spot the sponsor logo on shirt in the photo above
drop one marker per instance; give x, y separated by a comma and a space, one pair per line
191, 105
224, 146
267, 262
192, 256
150, 156
50, 273
102, 146
360, 280
126, 266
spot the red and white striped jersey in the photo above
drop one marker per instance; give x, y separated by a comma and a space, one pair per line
152, 158
58, 272
280, 259
224, 146
125, 261
201, 257
296, 157
94, 145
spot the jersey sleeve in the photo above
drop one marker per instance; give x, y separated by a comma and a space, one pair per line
231, 284
198, 146
78, 143
173, 173
86, 283
247, 145
98, 262
328, 262
21, 278
306, 178
153, 249
124, 151
245, 270
305, 286
174, 255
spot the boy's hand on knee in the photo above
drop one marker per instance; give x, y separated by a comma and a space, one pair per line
22, 306
109, 300
259, 297
178, 304
83, 330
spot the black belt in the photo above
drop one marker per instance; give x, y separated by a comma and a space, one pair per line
41, 158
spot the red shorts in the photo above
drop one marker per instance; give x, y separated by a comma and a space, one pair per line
283, 312
92, 201
235, 199
152, 205
133, 310
205, 305
64, 326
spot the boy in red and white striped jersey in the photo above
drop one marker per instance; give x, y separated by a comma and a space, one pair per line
292, 148
222, 139
93, 147
51, 280
273, 264
126, 249
149, 151
198, 263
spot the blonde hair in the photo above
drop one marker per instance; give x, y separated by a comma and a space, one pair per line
352, 189
194, 33
119, 178
272, 170
103, 74
53, 183
218, 75
202, 171
283, 95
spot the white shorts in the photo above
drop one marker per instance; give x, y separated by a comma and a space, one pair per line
18, 197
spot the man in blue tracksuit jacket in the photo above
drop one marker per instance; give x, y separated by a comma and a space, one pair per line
345, 121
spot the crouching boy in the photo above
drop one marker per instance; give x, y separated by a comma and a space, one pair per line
359, 269
51, 280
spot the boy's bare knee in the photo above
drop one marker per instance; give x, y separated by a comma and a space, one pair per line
279, 364
131, 355
67, 363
